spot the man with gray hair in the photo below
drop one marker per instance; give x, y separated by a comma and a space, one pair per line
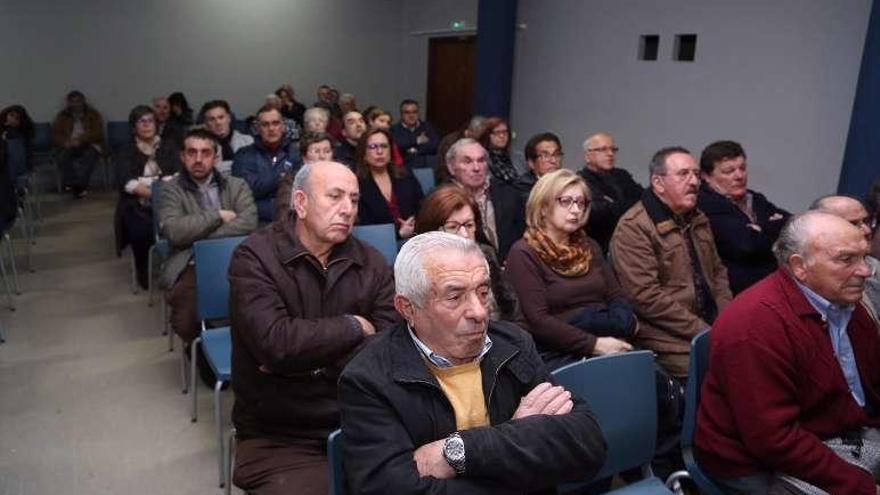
789, 403
305, 296
451, 402
854, 212
501, 211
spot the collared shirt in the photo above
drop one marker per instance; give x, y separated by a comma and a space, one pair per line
837, 318
438, 360
210, 194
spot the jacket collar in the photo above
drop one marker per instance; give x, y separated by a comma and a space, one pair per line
664, 219
189, 184
795, 296
290, 248
283, 148
408, 365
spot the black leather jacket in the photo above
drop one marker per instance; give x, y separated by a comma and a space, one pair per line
391, 404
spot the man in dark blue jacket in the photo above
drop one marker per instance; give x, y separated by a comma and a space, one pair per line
415, 137
265, 162
452, 403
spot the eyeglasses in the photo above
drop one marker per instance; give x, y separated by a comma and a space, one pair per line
604, 149
454, 227
683, 175
567, 202
146, 120
378, 146
551, 156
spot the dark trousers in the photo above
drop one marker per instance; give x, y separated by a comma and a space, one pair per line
138, 225
181, 299
77, 165
269, 467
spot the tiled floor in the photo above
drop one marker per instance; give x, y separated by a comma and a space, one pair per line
90, 399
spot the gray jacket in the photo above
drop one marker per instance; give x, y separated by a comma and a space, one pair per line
183, 220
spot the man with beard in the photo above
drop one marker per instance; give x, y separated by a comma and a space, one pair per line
665, 258
200, 203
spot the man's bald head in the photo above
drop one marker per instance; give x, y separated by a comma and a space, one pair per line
847, 208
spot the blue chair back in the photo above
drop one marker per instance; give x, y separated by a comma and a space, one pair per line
212, 258
118, 134
425, 176
382, 237
42, 137
16, 158
338, 485
699, 364
621, 391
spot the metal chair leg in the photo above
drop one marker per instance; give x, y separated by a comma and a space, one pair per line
218, 418
9, 298
150, 284
183, 378
193, 386
229, 460
12, 263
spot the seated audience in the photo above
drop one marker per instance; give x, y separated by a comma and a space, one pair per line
745, 224
78, 138
290, 108
543, 154
570, 296
168, 129
263, 163
140, 162
305, 295
789, 402
15, 123
854, 212
180, 110
614, 190
389, 194
470, 129
664, 255
415, 137
316, 119
218, 121
377, 118
354, 127
495, 137
451, 402
291, 129
497, 202
449, 209
200, 203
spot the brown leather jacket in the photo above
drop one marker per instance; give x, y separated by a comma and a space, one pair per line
293, 330
650, 256
93, 129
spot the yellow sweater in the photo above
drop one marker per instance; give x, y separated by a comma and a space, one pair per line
463, 386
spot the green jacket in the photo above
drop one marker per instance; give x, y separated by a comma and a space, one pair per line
183, 221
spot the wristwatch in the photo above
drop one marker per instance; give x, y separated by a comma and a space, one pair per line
453, 452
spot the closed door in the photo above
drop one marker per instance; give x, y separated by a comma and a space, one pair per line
451, 81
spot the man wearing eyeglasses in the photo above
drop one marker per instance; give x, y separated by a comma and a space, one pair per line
665, 259
543, 155
265, 162
614, 190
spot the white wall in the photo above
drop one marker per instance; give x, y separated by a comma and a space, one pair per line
121, 53
777, 76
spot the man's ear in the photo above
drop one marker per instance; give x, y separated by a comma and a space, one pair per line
404, 307
299, 202
798, 266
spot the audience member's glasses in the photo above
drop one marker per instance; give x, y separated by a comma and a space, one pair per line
500, 132
605, 149
454, 227
683, 175
146, 120
378, 146
567, 201
271, 123
551, 156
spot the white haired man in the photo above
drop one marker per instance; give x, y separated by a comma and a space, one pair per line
453, 403
789, 401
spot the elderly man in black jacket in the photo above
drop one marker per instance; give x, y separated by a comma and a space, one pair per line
451, 403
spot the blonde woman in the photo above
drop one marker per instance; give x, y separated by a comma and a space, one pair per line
568, 293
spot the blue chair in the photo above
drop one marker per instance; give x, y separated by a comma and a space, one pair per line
338, 485
620, 389
425, 176
212, 258
699, 364
382, 237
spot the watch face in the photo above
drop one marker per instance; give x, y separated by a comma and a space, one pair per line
454, 448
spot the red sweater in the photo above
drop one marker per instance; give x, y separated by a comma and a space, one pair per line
774, 390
